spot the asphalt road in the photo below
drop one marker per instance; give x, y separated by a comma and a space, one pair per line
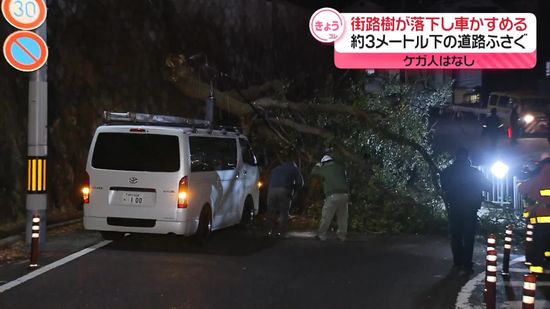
240, 270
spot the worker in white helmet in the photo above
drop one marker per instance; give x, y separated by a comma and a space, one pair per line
335, 187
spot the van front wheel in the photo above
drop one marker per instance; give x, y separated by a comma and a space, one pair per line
248, 213
205, 226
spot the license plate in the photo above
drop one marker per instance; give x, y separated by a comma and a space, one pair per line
132, 198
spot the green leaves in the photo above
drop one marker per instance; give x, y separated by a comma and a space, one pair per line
392, 167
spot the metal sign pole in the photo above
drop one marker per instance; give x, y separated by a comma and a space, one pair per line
37, 146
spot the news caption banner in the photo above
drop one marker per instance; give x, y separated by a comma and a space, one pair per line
428, 40
25, 50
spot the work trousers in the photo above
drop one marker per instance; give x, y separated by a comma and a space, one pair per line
278, 202
541, 243
462, 224
335, 204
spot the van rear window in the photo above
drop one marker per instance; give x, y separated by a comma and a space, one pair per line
136, 152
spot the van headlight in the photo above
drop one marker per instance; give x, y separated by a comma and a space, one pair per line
528, 118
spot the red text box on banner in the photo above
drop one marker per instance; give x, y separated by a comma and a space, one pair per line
437, 41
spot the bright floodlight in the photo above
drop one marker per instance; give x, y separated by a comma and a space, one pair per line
499, 169
528, 118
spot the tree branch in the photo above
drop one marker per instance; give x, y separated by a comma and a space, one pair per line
322, 107
362, 115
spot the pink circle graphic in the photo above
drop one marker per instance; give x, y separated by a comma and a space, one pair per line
326, 25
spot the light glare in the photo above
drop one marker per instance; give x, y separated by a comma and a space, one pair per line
528, 118
499, 169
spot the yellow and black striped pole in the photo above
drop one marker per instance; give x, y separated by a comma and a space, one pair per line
36, 175
37, 146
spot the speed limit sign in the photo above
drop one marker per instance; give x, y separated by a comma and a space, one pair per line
24, 14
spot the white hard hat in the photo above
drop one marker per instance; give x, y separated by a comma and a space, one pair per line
326, 158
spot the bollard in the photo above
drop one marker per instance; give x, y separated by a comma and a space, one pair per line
35, 242
491, 242
507, 250
528, 244
529, 290
491, 279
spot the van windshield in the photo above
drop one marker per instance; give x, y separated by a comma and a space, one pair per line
136, 152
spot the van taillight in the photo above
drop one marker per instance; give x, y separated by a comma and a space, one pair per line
183, 193
86, 190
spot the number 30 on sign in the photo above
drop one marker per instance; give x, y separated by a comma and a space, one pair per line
24, 14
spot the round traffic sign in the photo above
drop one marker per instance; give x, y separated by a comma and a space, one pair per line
24, 14
25, 51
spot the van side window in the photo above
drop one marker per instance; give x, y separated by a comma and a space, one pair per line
248, 155
493, 100
212, 154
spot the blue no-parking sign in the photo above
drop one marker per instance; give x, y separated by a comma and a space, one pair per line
25, 51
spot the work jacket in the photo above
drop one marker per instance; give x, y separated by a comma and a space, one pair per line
334, 177
537, 188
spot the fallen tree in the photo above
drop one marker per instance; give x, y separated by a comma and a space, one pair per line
382, 135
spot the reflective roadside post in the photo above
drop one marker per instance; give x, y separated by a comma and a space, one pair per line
529, 291
35, 247
507, 250
491, 273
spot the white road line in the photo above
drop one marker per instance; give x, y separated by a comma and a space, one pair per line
539, 303
305, 234
51, 266
519, 270
462, 299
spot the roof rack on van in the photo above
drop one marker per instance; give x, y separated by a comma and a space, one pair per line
149, 119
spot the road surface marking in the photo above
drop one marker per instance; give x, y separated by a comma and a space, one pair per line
53, 265
306, 234
517, 304
519, 270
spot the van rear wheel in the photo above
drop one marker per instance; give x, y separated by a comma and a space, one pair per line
205, 226
109, 235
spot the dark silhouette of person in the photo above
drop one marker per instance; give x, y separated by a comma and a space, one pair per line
462, 187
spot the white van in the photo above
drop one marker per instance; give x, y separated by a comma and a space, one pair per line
167, 175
